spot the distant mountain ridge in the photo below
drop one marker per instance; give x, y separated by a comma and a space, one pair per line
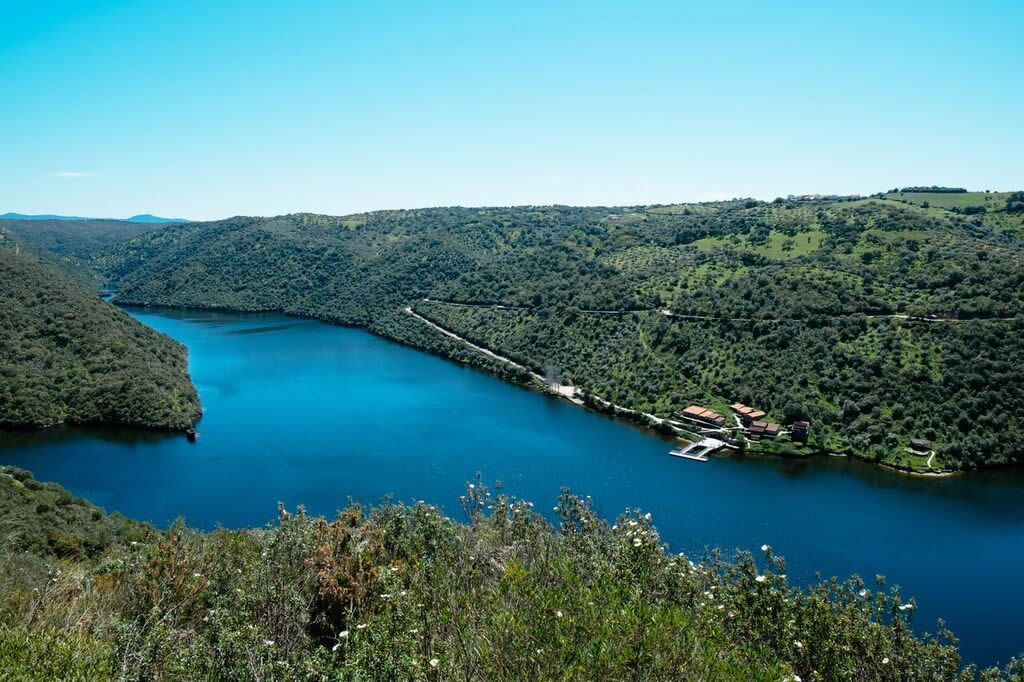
141, 218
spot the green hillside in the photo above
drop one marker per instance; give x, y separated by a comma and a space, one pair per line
992, 201
992, 207
404, 593
878, 321
67, 356
78, 238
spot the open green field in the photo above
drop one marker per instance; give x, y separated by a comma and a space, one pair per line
778, 246
990, 200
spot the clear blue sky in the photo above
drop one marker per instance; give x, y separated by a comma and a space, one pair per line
207, 109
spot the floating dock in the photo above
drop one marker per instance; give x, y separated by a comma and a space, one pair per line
689, 455
700, 450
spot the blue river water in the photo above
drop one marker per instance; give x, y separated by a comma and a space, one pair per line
308, 413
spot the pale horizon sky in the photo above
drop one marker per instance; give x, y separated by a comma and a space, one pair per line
207, 110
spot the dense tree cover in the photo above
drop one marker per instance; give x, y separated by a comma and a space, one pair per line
74, 269
868, 385
404, 592
935, 189
79, 239
1015, 202
796, 297
67, 356
42, 521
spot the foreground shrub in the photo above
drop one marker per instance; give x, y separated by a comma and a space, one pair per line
404, 592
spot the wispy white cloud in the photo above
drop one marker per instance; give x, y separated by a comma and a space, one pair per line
72, 174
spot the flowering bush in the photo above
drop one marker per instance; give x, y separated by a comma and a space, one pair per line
404, 592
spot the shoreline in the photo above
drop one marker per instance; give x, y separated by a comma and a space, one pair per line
653, 422
537, 383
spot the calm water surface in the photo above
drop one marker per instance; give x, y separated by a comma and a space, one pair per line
304, 412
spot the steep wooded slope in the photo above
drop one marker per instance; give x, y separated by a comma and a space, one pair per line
67, 356
813, 310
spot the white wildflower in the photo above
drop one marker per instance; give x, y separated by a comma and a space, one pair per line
760, 578
647, 516
434, 662
360, 626
343, 634
471, 486
863, 593
798, 644
885, 661
904, 607
764, 548
268, 642
637, 542
558, 613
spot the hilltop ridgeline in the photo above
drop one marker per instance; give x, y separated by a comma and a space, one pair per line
878, 320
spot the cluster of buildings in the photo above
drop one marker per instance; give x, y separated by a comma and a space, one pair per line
752, 422
753, 425
753, 419
821, 197
746, 414
703, 414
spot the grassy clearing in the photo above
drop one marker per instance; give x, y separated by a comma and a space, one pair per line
779, 246
990, 200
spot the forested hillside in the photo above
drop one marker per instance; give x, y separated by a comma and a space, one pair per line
405, 593
879, 320
67, 356
80, 239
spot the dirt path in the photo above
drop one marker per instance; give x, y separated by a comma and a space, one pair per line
715, 318
563, 390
